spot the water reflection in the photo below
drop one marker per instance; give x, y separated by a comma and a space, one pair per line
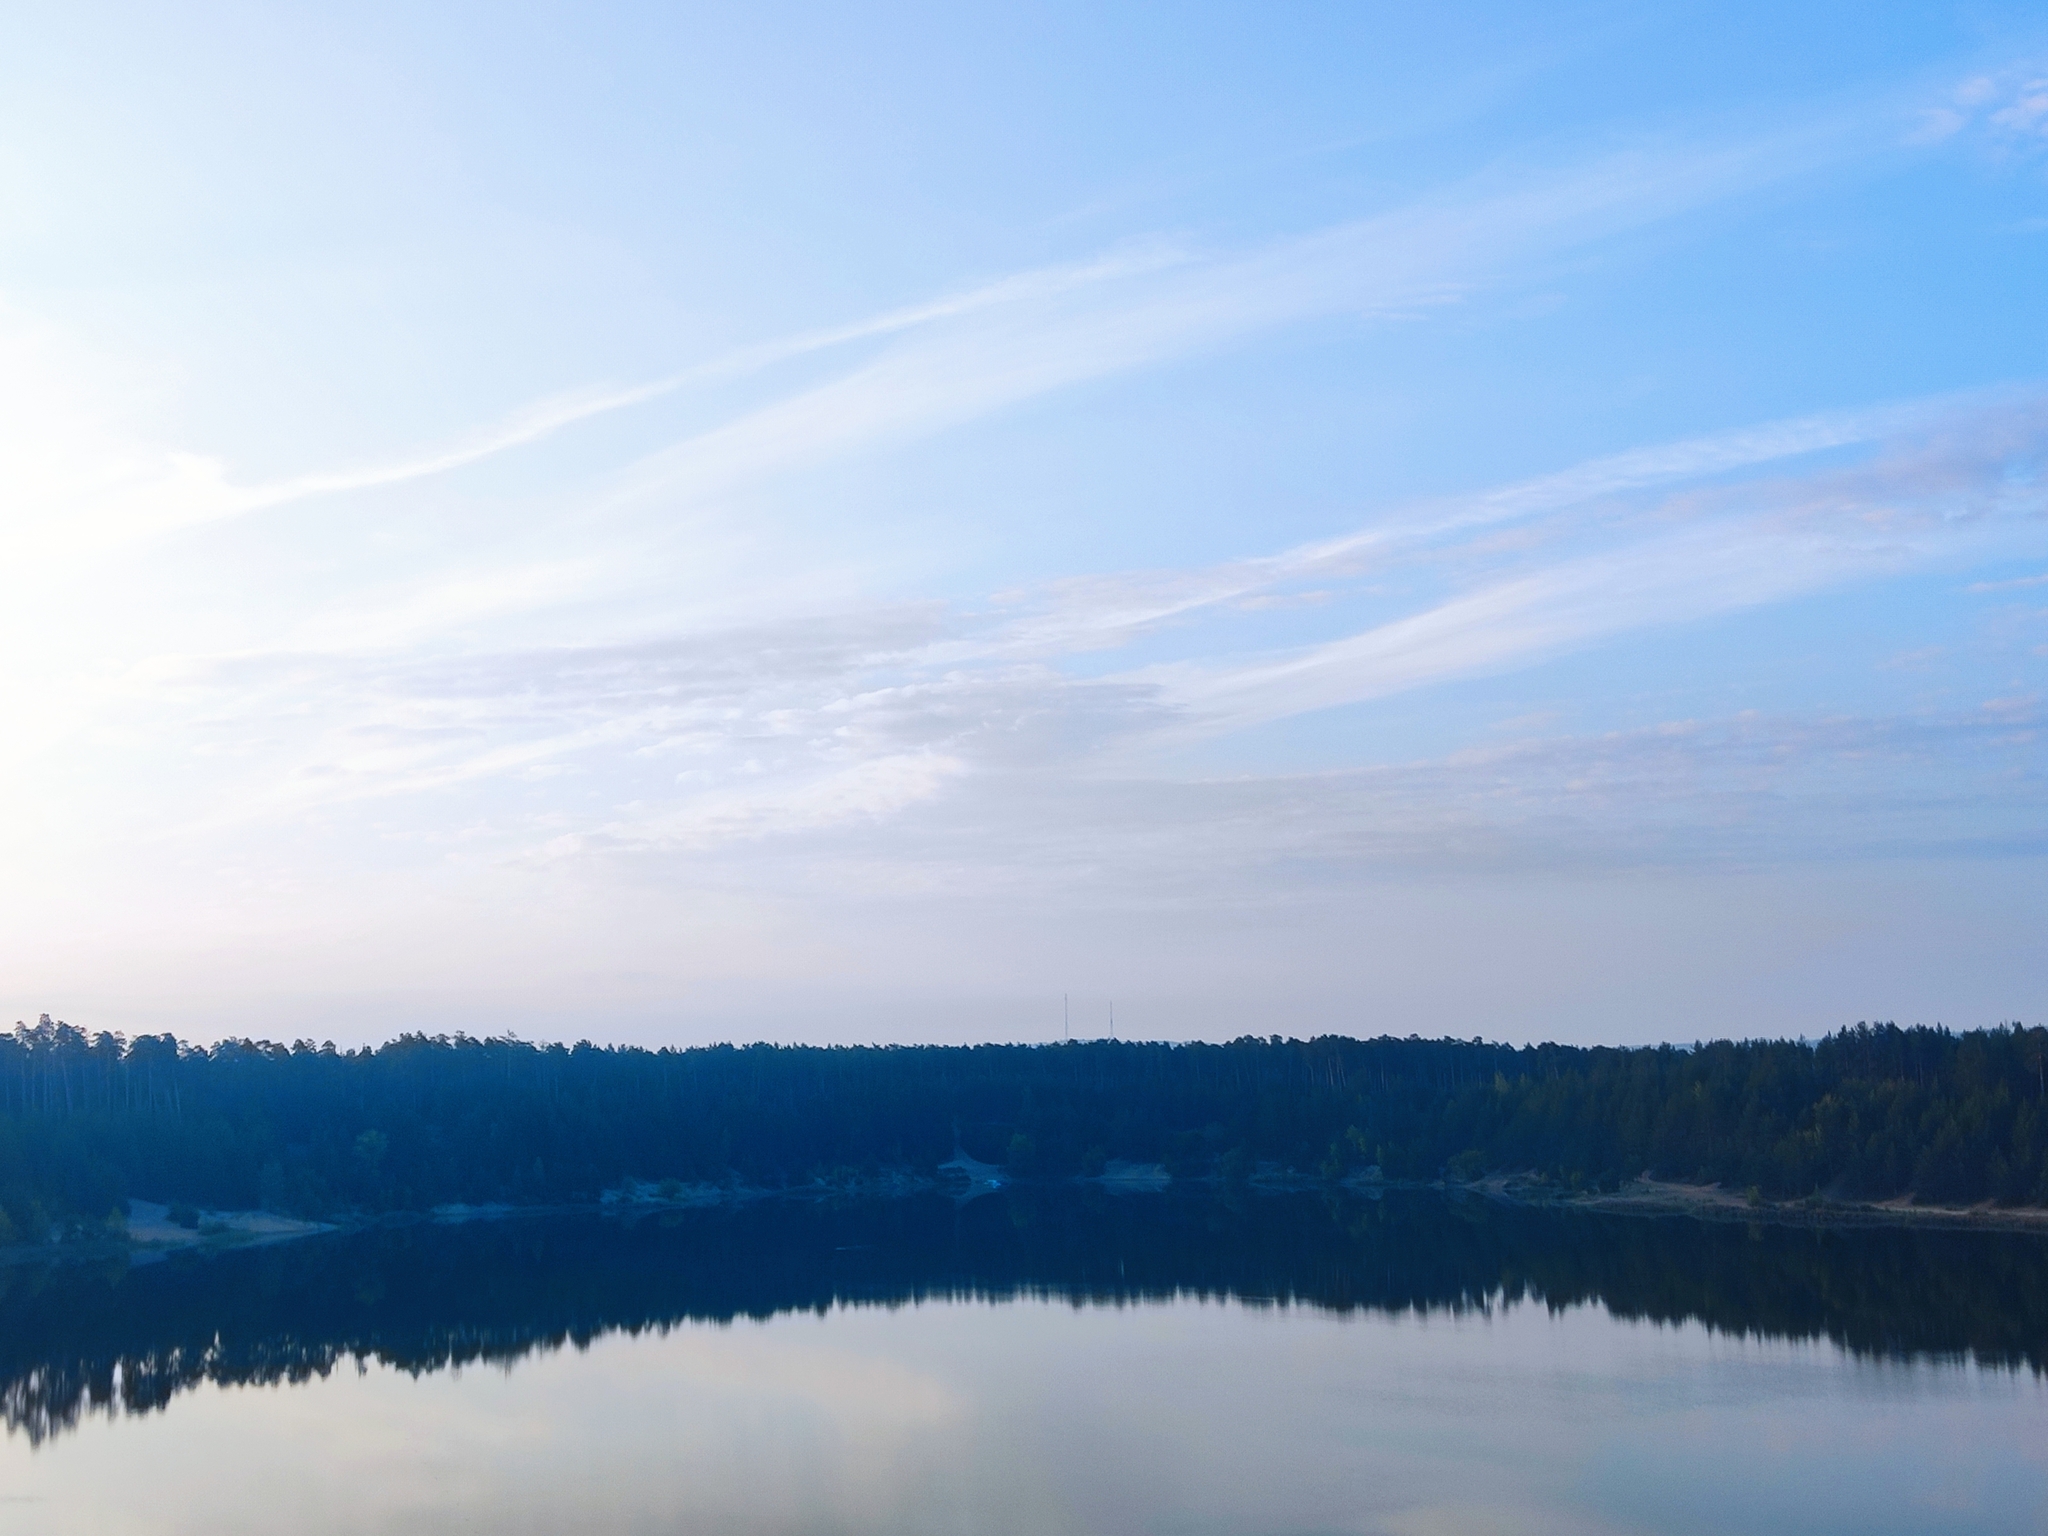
426, 1297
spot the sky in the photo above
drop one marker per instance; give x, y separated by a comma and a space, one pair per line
670, 524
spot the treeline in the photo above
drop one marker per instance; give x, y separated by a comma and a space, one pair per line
87, 1121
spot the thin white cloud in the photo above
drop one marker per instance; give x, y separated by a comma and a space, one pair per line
872, 790
545, 418
413, 712
1393, 264
2010, 109
2016, 584
74, 484
78, 487
1515, 622
1106, 610
782, 731
1935, 497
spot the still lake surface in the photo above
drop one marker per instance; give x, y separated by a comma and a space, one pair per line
1040, 1361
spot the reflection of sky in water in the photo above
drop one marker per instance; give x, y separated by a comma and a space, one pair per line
1182, 1420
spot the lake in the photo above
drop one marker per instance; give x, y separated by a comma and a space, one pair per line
1040, 1360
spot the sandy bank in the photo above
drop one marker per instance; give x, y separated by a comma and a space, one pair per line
1713, 1202
151, 1231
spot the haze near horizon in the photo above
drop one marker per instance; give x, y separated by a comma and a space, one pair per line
796, 523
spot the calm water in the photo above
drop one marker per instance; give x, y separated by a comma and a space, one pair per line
1040, 1362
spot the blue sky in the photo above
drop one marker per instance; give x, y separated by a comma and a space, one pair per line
858, 523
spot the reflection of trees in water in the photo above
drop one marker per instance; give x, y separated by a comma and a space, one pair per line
421, 1298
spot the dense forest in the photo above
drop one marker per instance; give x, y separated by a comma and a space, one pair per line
89, 1121
424, 1297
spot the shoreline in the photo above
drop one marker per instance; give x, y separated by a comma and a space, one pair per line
150, 1238
1711, 1202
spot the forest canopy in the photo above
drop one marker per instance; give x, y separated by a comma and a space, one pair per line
90, 1120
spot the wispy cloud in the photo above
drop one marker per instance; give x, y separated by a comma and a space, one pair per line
1108, 609
788, 730
575, 685
77, 485
1743, 791
545, 418
1943, 488
2008, 107
2015, 584
1054, 337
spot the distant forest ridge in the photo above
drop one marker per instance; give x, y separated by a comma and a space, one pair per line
88, 1121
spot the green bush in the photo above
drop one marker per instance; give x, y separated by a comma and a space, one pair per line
1022, 1156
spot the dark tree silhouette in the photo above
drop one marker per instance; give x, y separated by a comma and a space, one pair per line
87, 1121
